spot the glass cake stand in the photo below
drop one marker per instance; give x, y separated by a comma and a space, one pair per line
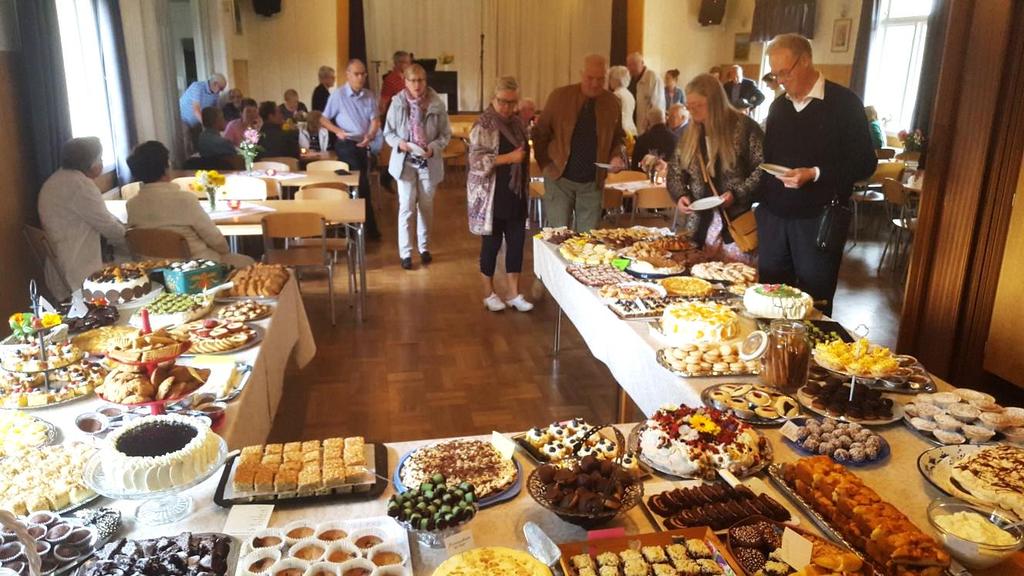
160, 507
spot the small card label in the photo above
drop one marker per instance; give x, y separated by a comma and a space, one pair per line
790, 430
505, 446
246, 519
796, 550
459, 542
729, 478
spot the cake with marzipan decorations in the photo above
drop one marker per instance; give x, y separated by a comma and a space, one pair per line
777, 301
117, 284
159, 452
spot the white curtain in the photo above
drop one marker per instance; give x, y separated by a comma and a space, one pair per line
148, 46
541, 42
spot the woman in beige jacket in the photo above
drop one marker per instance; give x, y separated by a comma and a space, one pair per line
162, 204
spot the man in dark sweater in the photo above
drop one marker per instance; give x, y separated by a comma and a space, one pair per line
820, 132
275, 140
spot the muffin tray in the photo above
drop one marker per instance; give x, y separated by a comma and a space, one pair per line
371, 486
392, 537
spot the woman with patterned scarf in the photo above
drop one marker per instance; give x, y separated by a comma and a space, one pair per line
496, 191
417, 130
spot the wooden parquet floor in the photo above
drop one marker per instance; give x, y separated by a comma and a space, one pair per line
429, 360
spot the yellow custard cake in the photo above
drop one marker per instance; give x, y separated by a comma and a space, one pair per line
699, 322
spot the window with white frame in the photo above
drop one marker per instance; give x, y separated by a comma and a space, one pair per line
894, 64
84, 74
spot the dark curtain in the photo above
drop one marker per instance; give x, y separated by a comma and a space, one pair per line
865, 31
115, 66
356, 32
42, 79
934, 44
620, 27
774, 17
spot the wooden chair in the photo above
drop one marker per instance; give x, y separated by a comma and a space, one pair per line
625, 176
287, 226
332, 185
653, 198
334, 243
185, 183
43, 252
264, 165
611, 203
157, 243
326, 166
239, 187
869, 192
456, 154
902, 222
130, 190
290, 164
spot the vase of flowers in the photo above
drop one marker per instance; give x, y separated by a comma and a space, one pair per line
250, 147
914, 144
26, 327
209, 182
445, 60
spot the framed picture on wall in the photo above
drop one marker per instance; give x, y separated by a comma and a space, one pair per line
741, 48
236, 11
841, 35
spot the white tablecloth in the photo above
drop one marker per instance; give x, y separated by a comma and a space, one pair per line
249, 417
627, 348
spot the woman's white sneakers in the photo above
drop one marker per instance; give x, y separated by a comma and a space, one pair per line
520, 303
494, 303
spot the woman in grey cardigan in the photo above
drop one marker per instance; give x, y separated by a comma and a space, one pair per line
731, 144
417, 130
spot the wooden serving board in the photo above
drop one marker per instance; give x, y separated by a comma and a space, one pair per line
595, 547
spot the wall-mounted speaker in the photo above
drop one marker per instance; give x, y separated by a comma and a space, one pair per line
266, 7
711, 12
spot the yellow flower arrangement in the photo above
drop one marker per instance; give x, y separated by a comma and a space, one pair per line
704, 424
51, 319
209, 181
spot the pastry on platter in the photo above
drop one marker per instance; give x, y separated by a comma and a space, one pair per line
212, 336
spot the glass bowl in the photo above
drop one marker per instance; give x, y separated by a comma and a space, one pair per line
972, 554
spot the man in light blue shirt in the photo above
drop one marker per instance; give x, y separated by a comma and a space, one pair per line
200, 94
352, 115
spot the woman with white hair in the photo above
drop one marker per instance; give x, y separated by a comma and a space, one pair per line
718, 154
74, 216
618, 84
496, 191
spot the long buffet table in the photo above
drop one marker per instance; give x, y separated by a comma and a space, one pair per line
628, 349
249, 417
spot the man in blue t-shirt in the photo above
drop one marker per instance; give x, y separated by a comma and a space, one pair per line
200, 94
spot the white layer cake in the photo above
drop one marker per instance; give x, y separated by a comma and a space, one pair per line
777, 301
159, 452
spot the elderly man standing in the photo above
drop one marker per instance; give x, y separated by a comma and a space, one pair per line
200, 94
352, 115
527, 114
646, 87
820, 132
323, 90
581, 125
74, 217
394, 80
742, 92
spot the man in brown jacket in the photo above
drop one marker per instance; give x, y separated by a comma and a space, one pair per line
581, 124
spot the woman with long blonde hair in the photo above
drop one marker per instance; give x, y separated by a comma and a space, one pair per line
729, 145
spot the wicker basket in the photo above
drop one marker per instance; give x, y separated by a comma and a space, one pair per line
632, 496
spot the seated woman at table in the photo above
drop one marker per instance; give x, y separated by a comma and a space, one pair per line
291, 105
418, 131
160, 203
730, 145
235, 130
312, 136
496, 191
74, 217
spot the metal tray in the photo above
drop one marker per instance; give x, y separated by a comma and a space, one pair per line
234, 550
664, 364
225, 497
748, 416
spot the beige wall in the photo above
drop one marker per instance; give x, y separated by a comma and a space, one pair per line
286, 50
674, 39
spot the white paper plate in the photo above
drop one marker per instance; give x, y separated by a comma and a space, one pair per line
707, 203
774, 169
